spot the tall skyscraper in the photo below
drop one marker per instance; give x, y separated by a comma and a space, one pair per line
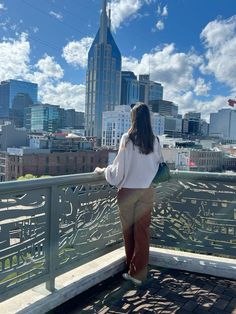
149, 90
14, 95
129, 88
20, 104
103, 78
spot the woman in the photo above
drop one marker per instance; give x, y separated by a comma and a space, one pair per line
132, 172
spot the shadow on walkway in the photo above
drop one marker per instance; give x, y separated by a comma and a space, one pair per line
166, 291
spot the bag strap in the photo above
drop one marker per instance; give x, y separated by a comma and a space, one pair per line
161, 152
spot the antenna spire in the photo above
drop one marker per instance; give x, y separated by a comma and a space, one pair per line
109, 23
103, 23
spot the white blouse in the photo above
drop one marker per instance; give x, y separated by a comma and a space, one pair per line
132, 169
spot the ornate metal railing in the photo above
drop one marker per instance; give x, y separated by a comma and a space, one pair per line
49, 226
196, 212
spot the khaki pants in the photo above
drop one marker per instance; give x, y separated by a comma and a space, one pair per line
135, 206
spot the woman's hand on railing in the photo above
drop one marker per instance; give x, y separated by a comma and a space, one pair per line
99, 170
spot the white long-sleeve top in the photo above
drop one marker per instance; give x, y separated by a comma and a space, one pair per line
132, 169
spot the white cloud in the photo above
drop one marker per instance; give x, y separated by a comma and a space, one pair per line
15, 64
201, 88
217, 32
162, 15
219, 37
123, 10
46, 70
48, 66
149, 1
176, 71
4, 27
76, 52
13, 27
216, 103
162, 12
165, 11
188, 102
58, 16
14, 57
160, 25
64, 94
8, 25
173, 69
2, 6
158, 9
35, 29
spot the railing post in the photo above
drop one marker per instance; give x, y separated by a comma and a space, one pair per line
53, 234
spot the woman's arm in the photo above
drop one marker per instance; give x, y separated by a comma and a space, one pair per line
115, 172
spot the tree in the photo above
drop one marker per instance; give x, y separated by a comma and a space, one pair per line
30, 176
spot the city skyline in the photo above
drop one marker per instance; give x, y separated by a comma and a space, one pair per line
190, 57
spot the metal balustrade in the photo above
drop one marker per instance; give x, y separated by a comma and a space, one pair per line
49, 226
196, 212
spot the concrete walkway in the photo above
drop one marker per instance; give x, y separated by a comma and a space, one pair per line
166, 291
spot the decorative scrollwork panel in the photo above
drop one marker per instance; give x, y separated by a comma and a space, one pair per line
88, 221
23, 237
196, 216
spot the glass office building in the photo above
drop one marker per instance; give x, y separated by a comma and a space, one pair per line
103, 78
155, 91
149, 90
129, 88
11, 95
43, 117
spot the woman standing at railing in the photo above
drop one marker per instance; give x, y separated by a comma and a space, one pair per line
132, 172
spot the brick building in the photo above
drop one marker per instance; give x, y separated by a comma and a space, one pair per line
194, 159
229, 163
19, 162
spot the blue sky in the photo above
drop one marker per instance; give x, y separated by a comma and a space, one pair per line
188, 45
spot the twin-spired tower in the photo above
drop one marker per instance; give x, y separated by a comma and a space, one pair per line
103, 77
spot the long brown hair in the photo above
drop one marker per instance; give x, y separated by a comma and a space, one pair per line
141, 133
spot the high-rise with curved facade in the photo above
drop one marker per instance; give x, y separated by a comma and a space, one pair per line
103, 78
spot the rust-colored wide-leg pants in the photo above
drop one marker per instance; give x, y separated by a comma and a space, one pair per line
135, 206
